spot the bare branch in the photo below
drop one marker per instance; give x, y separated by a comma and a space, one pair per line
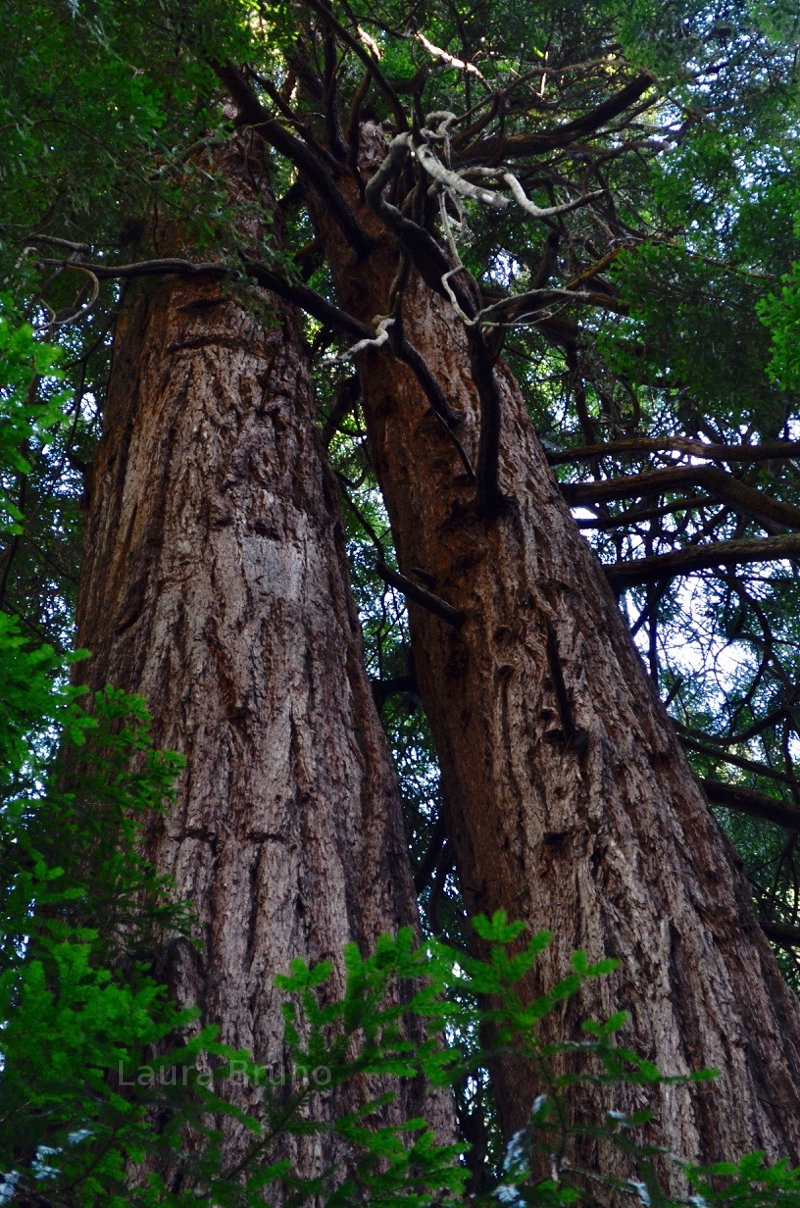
374, 341
785, 547
54, 241
142, 268
769, 451
756, 805
308, 300
304, 297
783, 934
509, 147
459, 183
655, 482
522, 199
420, 595
450, 60
737, 761
453, 180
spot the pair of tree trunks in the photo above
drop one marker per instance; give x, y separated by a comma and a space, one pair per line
215, 585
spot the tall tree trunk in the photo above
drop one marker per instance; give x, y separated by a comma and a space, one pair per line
214, 585
570, 803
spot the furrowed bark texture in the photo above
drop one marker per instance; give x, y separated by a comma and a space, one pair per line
570, 803
215, 585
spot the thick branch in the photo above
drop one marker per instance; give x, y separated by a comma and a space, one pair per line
638, 513
308, 300
383, 689
448, 418
769, 451
717, 481
410, 356
748, 801
783, 934
622, 575
493, 150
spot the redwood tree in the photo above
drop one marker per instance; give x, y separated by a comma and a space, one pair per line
569, 801
214, 585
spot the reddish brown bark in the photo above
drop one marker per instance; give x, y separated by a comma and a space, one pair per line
214, 585
570, 803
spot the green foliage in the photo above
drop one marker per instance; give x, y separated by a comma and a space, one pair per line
780, 312
24, 359
92, 106
69, 854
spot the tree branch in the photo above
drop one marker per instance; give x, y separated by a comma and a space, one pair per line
302, 296
493, 150
737, 761
428, 863
366, 58
748, 801
783, 934
308, 300
770, 451
420, 595
785, 547
427, 256
142, 268
654, 482
410, 356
